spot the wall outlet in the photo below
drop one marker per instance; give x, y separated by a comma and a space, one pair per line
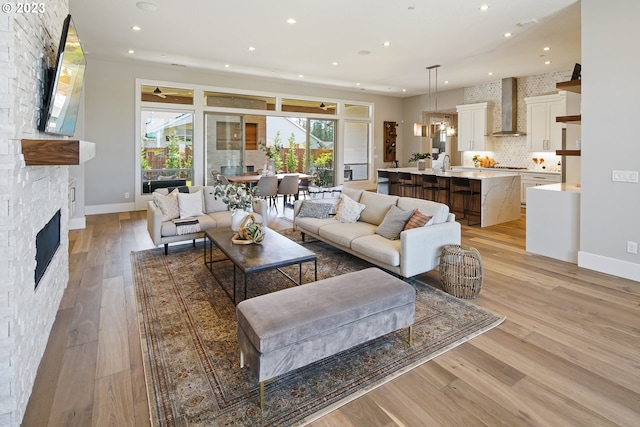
632, 247
126, 195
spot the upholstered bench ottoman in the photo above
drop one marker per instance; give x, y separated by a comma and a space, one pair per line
291, 328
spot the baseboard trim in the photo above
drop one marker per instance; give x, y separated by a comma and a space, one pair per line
112, 208
615, 267
78, 223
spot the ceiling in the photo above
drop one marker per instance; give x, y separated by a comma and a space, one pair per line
467, 43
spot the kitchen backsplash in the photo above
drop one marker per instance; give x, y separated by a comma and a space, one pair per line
512, 151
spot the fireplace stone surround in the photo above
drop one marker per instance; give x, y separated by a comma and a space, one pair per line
29, 197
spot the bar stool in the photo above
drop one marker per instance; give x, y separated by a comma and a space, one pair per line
430, 185
464, 187
405, 180
444, 183
383, 182
393, 183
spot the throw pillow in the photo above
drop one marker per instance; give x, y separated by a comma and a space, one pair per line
168, 205
348, 209
418, 219
393, 223
190, 204
310, 209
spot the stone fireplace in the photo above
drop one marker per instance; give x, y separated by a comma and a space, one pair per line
29, 197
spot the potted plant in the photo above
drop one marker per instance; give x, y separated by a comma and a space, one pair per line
272, 152
239, 198
476, 160
420, 159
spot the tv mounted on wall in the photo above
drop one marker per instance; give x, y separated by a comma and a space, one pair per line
63, 85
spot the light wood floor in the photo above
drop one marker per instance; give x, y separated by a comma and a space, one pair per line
568, 353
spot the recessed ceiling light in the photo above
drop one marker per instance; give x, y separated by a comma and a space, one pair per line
404, 90
386, 44
546, 48
291, 21
136, 28
364, 52
484, 8
334, 63
251, 48
301, 75
357, 84
507, 35
226, 65
490, 73
547, 62
148, 6
446, 82
132, 51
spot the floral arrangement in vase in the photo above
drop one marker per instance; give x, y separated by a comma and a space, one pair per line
419, 156
236, 196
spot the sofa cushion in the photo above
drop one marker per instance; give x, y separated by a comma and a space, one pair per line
439, 211
378, 248
190, 204
211, 203
393, 223
342, 234
168, 205
312, 209
376, 206
418, 219
354, 193
348, 209
312, 225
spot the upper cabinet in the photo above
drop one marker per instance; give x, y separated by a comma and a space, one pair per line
544, 133
474, 126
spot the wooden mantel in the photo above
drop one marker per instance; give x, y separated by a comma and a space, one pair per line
57, 152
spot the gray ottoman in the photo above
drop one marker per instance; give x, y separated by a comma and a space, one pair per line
288, 329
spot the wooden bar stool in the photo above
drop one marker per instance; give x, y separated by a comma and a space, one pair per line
431, 186
465, 187
405, 181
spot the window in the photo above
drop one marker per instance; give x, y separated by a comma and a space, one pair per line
166, 154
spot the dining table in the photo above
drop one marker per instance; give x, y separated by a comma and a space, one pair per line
253, 179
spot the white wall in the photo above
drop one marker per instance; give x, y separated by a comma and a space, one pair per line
610, 111
110, 115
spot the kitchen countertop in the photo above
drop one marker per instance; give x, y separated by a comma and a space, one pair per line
560, 187
458, 174
497, 170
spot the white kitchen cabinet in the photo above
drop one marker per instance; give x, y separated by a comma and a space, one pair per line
543, 132
474, 126
533, 179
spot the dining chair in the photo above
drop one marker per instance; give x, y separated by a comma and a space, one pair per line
268, 189
288, 187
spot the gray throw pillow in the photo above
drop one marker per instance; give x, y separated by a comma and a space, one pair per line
393, 223
315, 210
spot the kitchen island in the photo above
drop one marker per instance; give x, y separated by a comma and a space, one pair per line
497, 194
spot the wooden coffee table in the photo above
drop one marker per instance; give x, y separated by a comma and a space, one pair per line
275, 252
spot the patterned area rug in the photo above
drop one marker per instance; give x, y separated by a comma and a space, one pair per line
191, 357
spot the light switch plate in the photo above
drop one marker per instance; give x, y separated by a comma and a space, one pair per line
624, 176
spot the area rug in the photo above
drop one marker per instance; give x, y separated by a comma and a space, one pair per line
191, 356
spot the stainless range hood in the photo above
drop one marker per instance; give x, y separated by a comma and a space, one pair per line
509, 117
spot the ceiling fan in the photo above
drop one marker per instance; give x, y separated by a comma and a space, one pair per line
161, 94
326, 107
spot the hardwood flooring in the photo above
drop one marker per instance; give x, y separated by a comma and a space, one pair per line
568, 353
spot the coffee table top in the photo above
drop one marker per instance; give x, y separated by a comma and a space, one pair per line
274, 252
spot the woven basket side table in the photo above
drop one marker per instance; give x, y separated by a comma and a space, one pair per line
461, 271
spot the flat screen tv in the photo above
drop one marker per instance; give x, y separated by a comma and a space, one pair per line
63, 85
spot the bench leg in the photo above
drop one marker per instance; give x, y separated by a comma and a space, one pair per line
410, 334
241, 359
261, 394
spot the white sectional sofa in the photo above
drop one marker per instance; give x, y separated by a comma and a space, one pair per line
215, 214
416, 251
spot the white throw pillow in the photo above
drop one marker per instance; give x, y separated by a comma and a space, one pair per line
348, 209
190, 204
168, 205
